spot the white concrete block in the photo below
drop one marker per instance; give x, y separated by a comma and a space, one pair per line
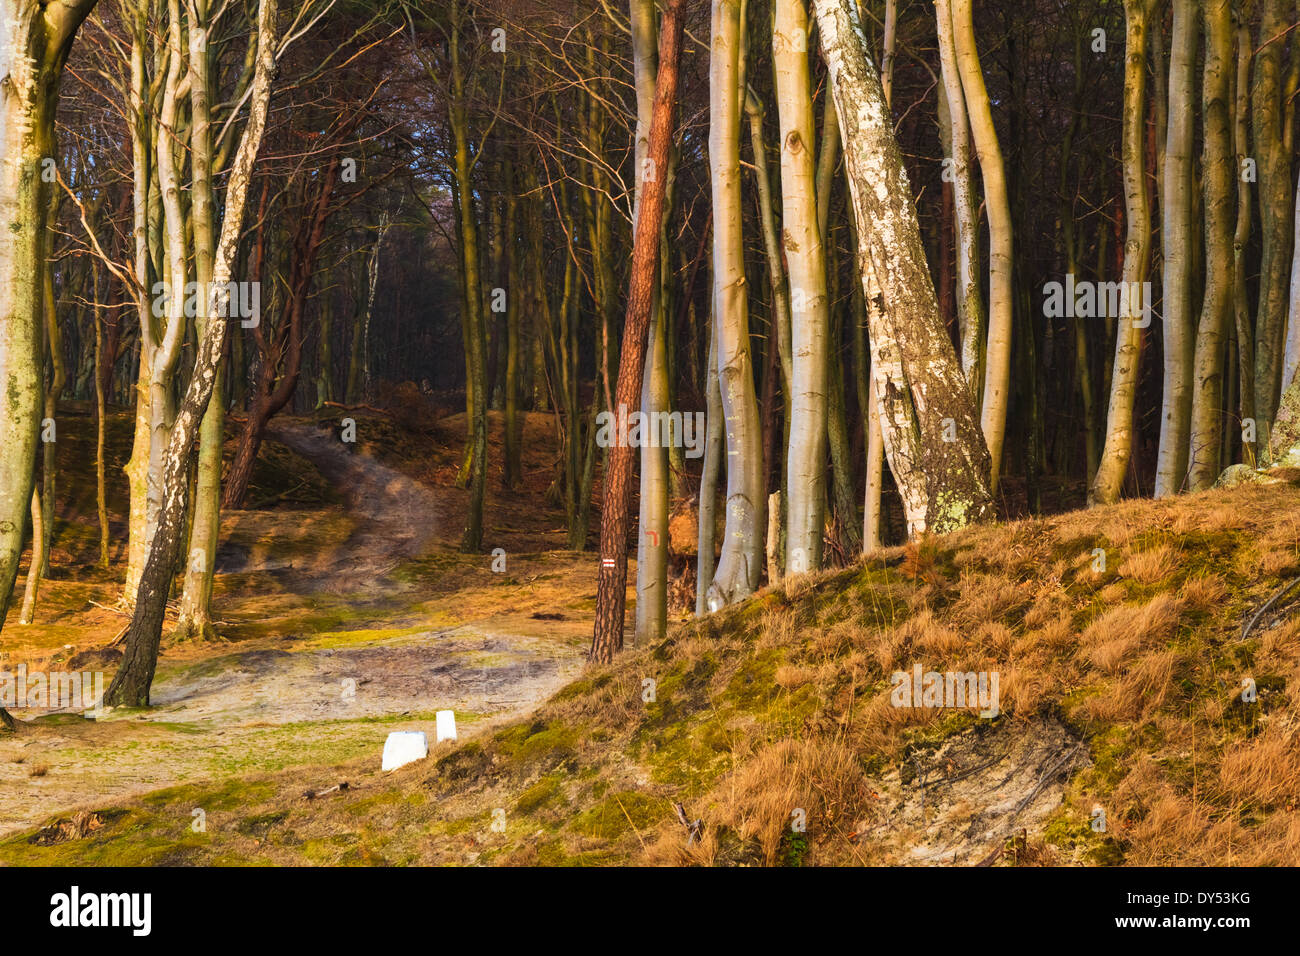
446, 725
403, 747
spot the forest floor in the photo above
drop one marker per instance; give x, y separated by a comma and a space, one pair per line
765, 734
338, 624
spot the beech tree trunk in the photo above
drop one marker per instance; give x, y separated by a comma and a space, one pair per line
1179, 328
741, 562
1118, 447
997, 356
1218, 169
810, 318
37, 37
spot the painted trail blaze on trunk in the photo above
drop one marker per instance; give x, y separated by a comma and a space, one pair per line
930, 425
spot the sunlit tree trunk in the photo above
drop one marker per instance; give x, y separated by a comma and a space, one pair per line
1176, 233
611, 585
1218, 169
931, 432
741, 561
997, 356
36, 38
970, 309
130, 686
801, 237
1118, 447
196, 598
1240, 241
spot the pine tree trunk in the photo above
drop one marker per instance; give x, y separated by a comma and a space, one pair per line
611, 587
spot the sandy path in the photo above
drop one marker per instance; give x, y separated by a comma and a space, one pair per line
281, 704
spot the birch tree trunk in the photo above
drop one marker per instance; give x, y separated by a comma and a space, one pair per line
801, 238
130, 686
997, 358
1218, 169
741, 561
1118, 447
33, 48
1176, 234
923, 395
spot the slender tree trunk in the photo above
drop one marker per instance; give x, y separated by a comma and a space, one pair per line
1179, 327
970, 309
709, 473
1274, 167
611, 588
1218, 169
741, 563
196, 598
130, 686
801, 233
1118, 447
997, 359
943, 483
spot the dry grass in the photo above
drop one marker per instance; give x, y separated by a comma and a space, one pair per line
782, 704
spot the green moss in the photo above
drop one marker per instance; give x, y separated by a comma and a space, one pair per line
620, 813
544, 793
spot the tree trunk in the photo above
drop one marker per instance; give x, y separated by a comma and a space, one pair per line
38, 37
997, 358
1118, 447
1176, 233
611, 588
801, 235
709, 473
130, 686
1218, 169
741, 562
943, 483
970, 309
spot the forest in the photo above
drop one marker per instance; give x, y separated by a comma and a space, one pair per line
781, 432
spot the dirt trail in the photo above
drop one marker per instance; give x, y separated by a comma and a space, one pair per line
291, 701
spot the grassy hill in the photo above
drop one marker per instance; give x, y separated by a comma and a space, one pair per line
771, 724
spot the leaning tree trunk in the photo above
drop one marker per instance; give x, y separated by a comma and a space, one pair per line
810, 320
1118, 447
931, 432
1218, 169
611, 586
1176, 411
131, 684
741, 561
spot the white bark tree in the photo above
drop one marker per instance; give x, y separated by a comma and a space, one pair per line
931, 433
